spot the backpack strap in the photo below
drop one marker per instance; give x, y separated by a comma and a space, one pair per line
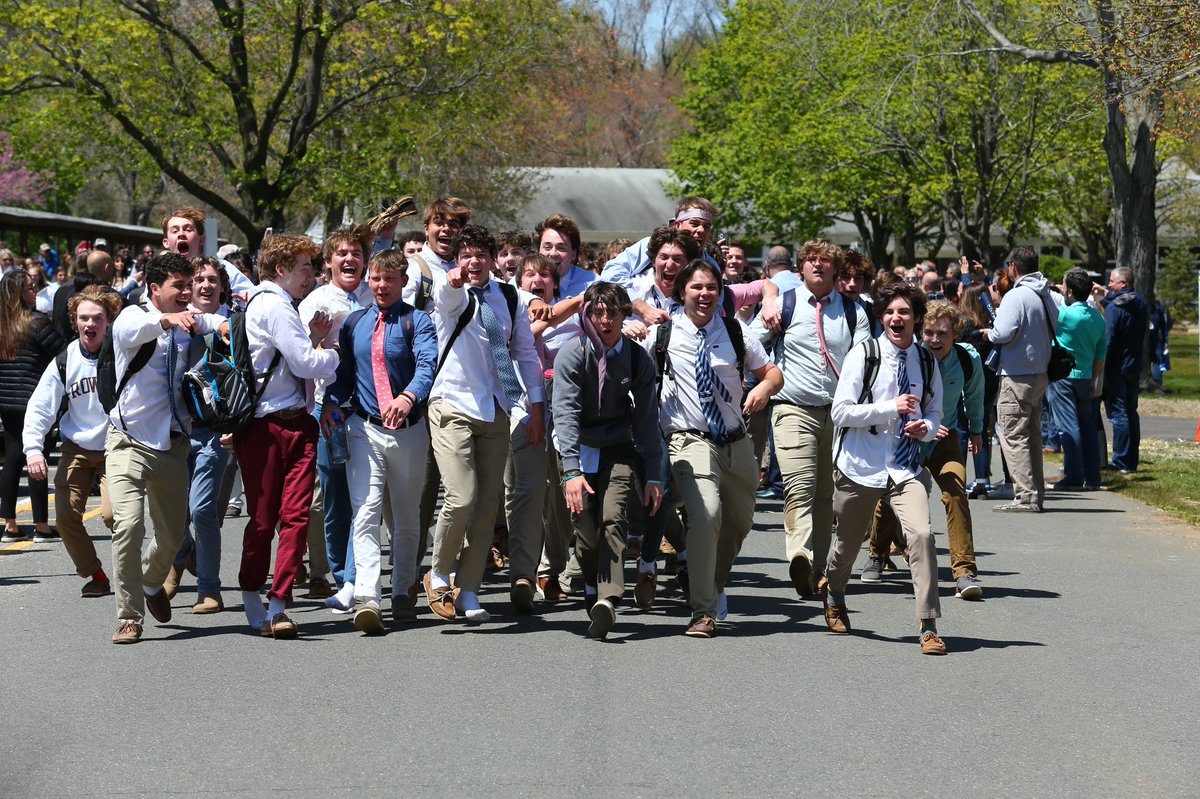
734, 329
425, 286
510, 296
850, 311
964, 362
926, 358
60, 361
662, 340
239, 351
867, 394
464, 319
140, 359
787, 310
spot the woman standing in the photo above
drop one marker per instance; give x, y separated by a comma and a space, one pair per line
28, 342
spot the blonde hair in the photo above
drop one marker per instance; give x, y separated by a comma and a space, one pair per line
279, 254
944, 309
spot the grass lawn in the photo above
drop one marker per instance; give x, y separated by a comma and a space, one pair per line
1168, 478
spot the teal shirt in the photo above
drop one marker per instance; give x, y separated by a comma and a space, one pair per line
955, 387
1081, 332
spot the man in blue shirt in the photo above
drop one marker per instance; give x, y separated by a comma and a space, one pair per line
1125, 315
389, 352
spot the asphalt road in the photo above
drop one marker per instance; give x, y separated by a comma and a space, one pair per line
1075, 676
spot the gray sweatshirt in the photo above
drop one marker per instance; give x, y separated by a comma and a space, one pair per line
1020, 327
582, 416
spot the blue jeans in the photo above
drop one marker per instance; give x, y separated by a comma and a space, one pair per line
339, 544
1074, 413
1121, 405
206, 464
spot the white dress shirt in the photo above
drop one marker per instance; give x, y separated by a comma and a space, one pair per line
572, 284
143, 409
468, 379
272, 324
680, 408
807, 377
644, 288
335, 302
870, 460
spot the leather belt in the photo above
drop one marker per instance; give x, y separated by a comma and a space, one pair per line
409, 421
286, 413
729, 438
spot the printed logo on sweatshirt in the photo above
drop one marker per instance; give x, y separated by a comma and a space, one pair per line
80, 387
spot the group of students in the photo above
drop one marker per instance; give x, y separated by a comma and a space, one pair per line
532, 395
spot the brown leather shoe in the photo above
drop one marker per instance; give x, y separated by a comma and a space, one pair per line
319, 588
159, 606
130, 632
282, 627
441, 600
644, 591
932, 645
369, 620
837, 618
551, 590
801, 572
171, 584
521, 595
703, 627
208, 603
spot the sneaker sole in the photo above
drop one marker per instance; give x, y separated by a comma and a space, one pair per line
973, 592
369, 622
604, 618
869, 577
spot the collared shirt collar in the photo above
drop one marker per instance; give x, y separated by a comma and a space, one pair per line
805, 294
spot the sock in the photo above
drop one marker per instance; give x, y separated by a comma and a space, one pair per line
155, 592
345, 595
836, 598
681, 557
722, 606
275, 607
438, 581
647, 566
928, 626
256, 614
99, 576
467, 600
590, 590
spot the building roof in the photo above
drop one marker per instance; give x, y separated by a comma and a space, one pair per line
607, 204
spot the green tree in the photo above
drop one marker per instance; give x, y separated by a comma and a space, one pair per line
245, 106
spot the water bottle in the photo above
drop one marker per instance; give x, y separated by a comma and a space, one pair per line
338, 448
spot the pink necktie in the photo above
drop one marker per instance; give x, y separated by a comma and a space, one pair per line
383, 384
821, 339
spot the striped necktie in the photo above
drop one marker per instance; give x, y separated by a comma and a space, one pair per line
708, 386
907, 454
500, 354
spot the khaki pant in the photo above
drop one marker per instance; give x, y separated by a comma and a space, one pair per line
524, 502
77, 469
471, 455
557, 546
601, 528
1019, 419
944, 466
717, 487
804, 449
854, 505
137, 473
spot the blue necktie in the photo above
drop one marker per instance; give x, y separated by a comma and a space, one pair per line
355, 305
708, 387
500, 354
907, 454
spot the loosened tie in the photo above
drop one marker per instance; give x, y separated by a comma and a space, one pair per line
906, 449
709, 387
500, 353
383, 383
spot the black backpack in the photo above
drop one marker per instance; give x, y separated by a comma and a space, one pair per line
107, 386
787, 309
222, 390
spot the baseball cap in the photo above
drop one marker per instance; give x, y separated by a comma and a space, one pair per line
101, 244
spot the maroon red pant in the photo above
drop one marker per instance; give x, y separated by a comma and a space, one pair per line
278, 459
